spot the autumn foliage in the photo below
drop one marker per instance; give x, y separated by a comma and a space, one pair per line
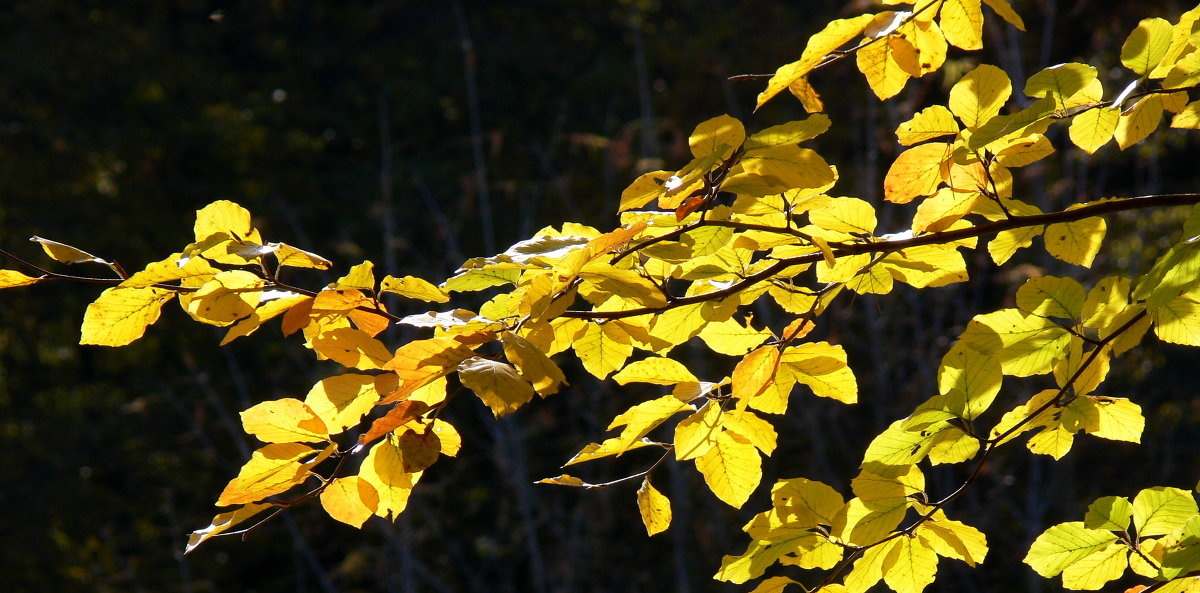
753, 218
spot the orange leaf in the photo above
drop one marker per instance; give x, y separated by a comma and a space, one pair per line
403, 413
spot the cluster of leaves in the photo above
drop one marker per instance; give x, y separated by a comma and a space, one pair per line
748, 219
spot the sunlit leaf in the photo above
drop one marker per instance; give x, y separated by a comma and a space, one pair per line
656, 370
66, 254
271, 470
962, 22
414, 288
1076, 242
13, 279
654, 508
350, 499
1161, 510
916, 172
224, 522
732, 469
1094, 128
978, 96
286, 420
1109, 512
498, 384
121, 315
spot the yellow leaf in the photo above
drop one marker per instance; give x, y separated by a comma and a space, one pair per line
731, 338
622, 282
644, 417
228, 297
868, 569
973, 380
1118, 419
417, 447
352, 348
497, 384
749, 426
383, 470
793, 132
1094, 128
361, 277
850, 216
932, 122
822, 367
350, 500
779, 584
865, 523
1139, 121
1005, 11
121, 315
645, 189
1051, 296
978, 96
1008, 242
223, 218
941, 210
880, 62
286, 420
261, 315
836, 34
810, 99
1066, 544
1146, 45
1024, 346
342, 400
604, 348
1060, 82
1178, 321
66, 254
679, 324
413, 288
754, 372
870, 486
778, 169
565, 480
916, 172
910, 567
287, 255
962, 22
656, 370
732, 469
953, 539
654, 508
1188, 118
1161, 510
224, 522
533, 364
697, 434
1076, 242
13, 278
174, 267
929, 45
271, 470
720, 135
612, 446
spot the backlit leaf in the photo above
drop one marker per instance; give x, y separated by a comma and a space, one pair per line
496, 383
732, 469
932, 122
881, 63
644, 417
66, 254
224, 522
836, 34
713, 134
350, 499
953, 539
383, 470
1076, 242
1146, 45
1109, 512
13, 278
978, 96
754, 372
696, 434
120, 315
1139, 121
342, 400
1094, 128
1004, 10
1051, 296
271, 470
286, 420
352, 348
604, 348
911, 565
1024, 345
654, 508
916, 172
1065, 544
656, 370
413, 288
610, 447
1060, 82
962, 22
1161, 510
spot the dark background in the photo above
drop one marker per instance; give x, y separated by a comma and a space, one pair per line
417, 134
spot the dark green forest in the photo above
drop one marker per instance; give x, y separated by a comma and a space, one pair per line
420, 134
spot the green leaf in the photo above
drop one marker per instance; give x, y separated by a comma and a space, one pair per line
1024, 345
1161, 510
1110, 512
1059, 547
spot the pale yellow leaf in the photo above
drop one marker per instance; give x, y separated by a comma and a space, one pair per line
732, 469
350, 499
